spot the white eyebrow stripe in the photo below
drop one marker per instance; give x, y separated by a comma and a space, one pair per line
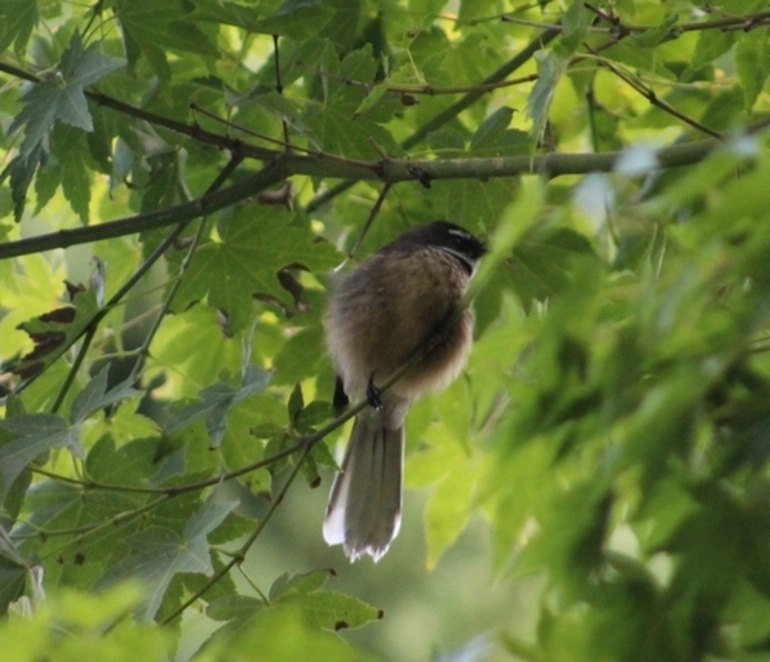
460, 233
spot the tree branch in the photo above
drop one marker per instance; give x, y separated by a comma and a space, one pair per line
457, 107
247, 187
388, 171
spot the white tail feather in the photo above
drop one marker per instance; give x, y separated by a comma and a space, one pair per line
364, 511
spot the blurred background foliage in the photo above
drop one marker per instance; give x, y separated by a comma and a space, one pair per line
595, 486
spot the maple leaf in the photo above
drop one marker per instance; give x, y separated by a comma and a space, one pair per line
55, 331
60, 97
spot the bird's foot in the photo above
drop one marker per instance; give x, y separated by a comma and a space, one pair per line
373, 395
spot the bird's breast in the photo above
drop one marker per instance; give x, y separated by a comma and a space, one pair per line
389, 308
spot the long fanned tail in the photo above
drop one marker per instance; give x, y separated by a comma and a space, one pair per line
364, 511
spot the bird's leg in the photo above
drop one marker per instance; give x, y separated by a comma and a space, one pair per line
340, 401
373, 395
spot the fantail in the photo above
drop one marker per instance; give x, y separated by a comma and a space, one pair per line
378, 317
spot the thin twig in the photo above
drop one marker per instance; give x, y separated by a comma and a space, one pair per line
428, 90
97, 485
283, 143
749, 21
89, 331
240, 554
592, 109
279, 89
649, 94
454, 109
234, 162
367, 226
188, 487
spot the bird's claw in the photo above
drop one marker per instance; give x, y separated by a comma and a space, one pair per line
373, 395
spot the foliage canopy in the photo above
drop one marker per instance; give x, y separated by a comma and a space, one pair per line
219, 158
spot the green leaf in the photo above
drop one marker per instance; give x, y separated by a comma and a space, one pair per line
162, 553
284, 635
229, 13
299, 585
665, 30
313, 414
322, 609
234, 607
18, 19
69, 147
21, 170
134, 463
491, 129
543, 266
335, 611
58, 99
54, 332
575, 24
61, 98
149, 27
372, 97
551, 66
216, 402
483, 202
710, 46
301, 356
256, 244
34, 435
13, 572
471, 10
296, 402
165, 181
298, 18
448, 510
335, 122
96, 396
572, 534
63, 511
752, 60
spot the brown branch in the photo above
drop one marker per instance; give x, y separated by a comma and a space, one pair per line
387, 171
247, 187
429, 90
746, 23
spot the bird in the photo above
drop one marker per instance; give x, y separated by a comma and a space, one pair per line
379, 316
